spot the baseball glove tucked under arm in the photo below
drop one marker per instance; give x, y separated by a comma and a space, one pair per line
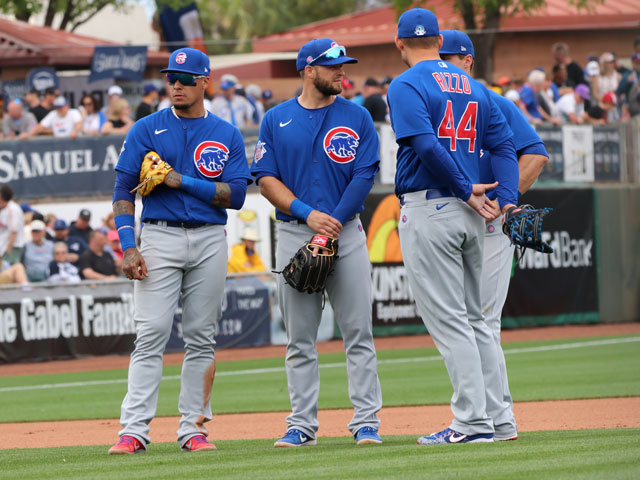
153, 172
523, 226
307, 273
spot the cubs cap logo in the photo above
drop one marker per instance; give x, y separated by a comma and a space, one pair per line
181, 57
210, 157
340, 144
420, 30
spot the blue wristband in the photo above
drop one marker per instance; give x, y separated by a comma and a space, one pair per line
201, 189
125, 224
299, 209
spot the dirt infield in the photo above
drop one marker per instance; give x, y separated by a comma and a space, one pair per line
418, 420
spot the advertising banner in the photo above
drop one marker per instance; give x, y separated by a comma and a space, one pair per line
118, 62
577, 148
607, 143
552, 138
561, 287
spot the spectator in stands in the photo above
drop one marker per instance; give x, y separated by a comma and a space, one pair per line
504, 83
63, 122
267, 99
348, 89
45, 106
373, 101
115, 249
244, 257
61, 270
32, 100
604, 111
81, 227
92, 117
163, 99
254, 93
119, 120
12, 274
571, 105
113, 94
592, 74
544, 96
575, 74
148, 102
628, 90
17, 122
232, 108
75, 245
109, 222
95, 263
609, 78
11, 227
528, 98
50, 221
37, 254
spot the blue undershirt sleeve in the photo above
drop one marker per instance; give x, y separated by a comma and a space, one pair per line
238, 193
352, 199
430, 151
125, 182
505, 170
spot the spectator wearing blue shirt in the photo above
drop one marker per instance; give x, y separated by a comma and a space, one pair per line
529, 103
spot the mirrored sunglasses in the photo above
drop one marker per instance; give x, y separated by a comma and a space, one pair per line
333, 52
185, 79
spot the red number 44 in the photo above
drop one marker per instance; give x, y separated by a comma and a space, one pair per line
466, 128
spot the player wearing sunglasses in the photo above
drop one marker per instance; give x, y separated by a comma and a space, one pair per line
183, 247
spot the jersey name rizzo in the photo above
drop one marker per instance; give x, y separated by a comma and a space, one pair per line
452, 82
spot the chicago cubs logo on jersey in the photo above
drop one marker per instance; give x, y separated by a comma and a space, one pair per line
210, 158
181, 57
340, 144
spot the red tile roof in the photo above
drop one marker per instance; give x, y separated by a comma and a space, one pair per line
378, 26
23, 44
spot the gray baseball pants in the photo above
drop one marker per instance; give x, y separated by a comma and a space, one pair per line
442, 242
349, 290
191, 262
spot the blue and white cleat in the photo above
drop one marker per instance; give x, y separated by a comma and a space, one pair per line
367, 435
451, 436
295, 438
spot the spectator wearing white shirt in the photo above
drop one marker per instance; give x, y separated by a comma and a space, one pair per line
609, 76
11, 227
571, 105
63, 122
232, 108
60, 269
93, 118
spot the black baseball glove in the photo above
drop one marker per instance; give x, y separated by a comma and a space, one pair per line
523, 226
307, 273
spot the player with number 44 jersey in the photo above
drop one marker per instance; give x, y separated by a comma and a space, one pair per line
442, 118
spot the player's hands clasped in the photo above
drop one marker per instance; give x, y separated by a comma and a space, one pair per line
133, 265
479, 201
324, 224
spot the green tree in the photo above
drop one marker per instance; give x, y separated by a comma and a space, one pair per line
482, 22
233, 23
73, 12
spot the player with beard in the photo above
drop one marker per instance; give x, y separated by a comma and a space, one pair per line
315, 161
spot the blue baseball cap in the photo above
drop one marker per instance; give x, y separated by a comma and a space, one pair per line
418, 22
455, 42
188, 60
315, 53
59, 224
148, 88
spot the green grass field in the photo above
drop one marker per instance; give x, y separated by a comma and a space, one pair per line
408, 377
544, 370
583, 454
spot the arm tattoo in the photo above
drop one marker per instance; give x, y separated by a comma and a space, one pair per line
173, 179
123, 207
222, 198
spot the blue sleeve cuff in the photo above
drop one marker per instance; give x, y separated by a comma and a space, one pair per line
299, 209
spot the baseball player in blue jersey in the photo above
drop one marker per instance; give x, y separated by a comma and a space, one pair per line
457, 49
183, 247
442, 118
315, 161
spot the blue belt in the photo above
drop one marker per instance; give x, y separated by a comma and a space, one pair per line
170, 223
432, 194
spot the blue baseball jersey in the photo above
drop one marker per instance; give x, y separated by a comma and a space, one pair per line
438, 98
528, 97
207, 148
524, 135
316, 153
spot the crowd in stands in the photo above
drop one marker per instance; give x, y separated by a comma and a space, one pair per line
604, 91
42, 248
